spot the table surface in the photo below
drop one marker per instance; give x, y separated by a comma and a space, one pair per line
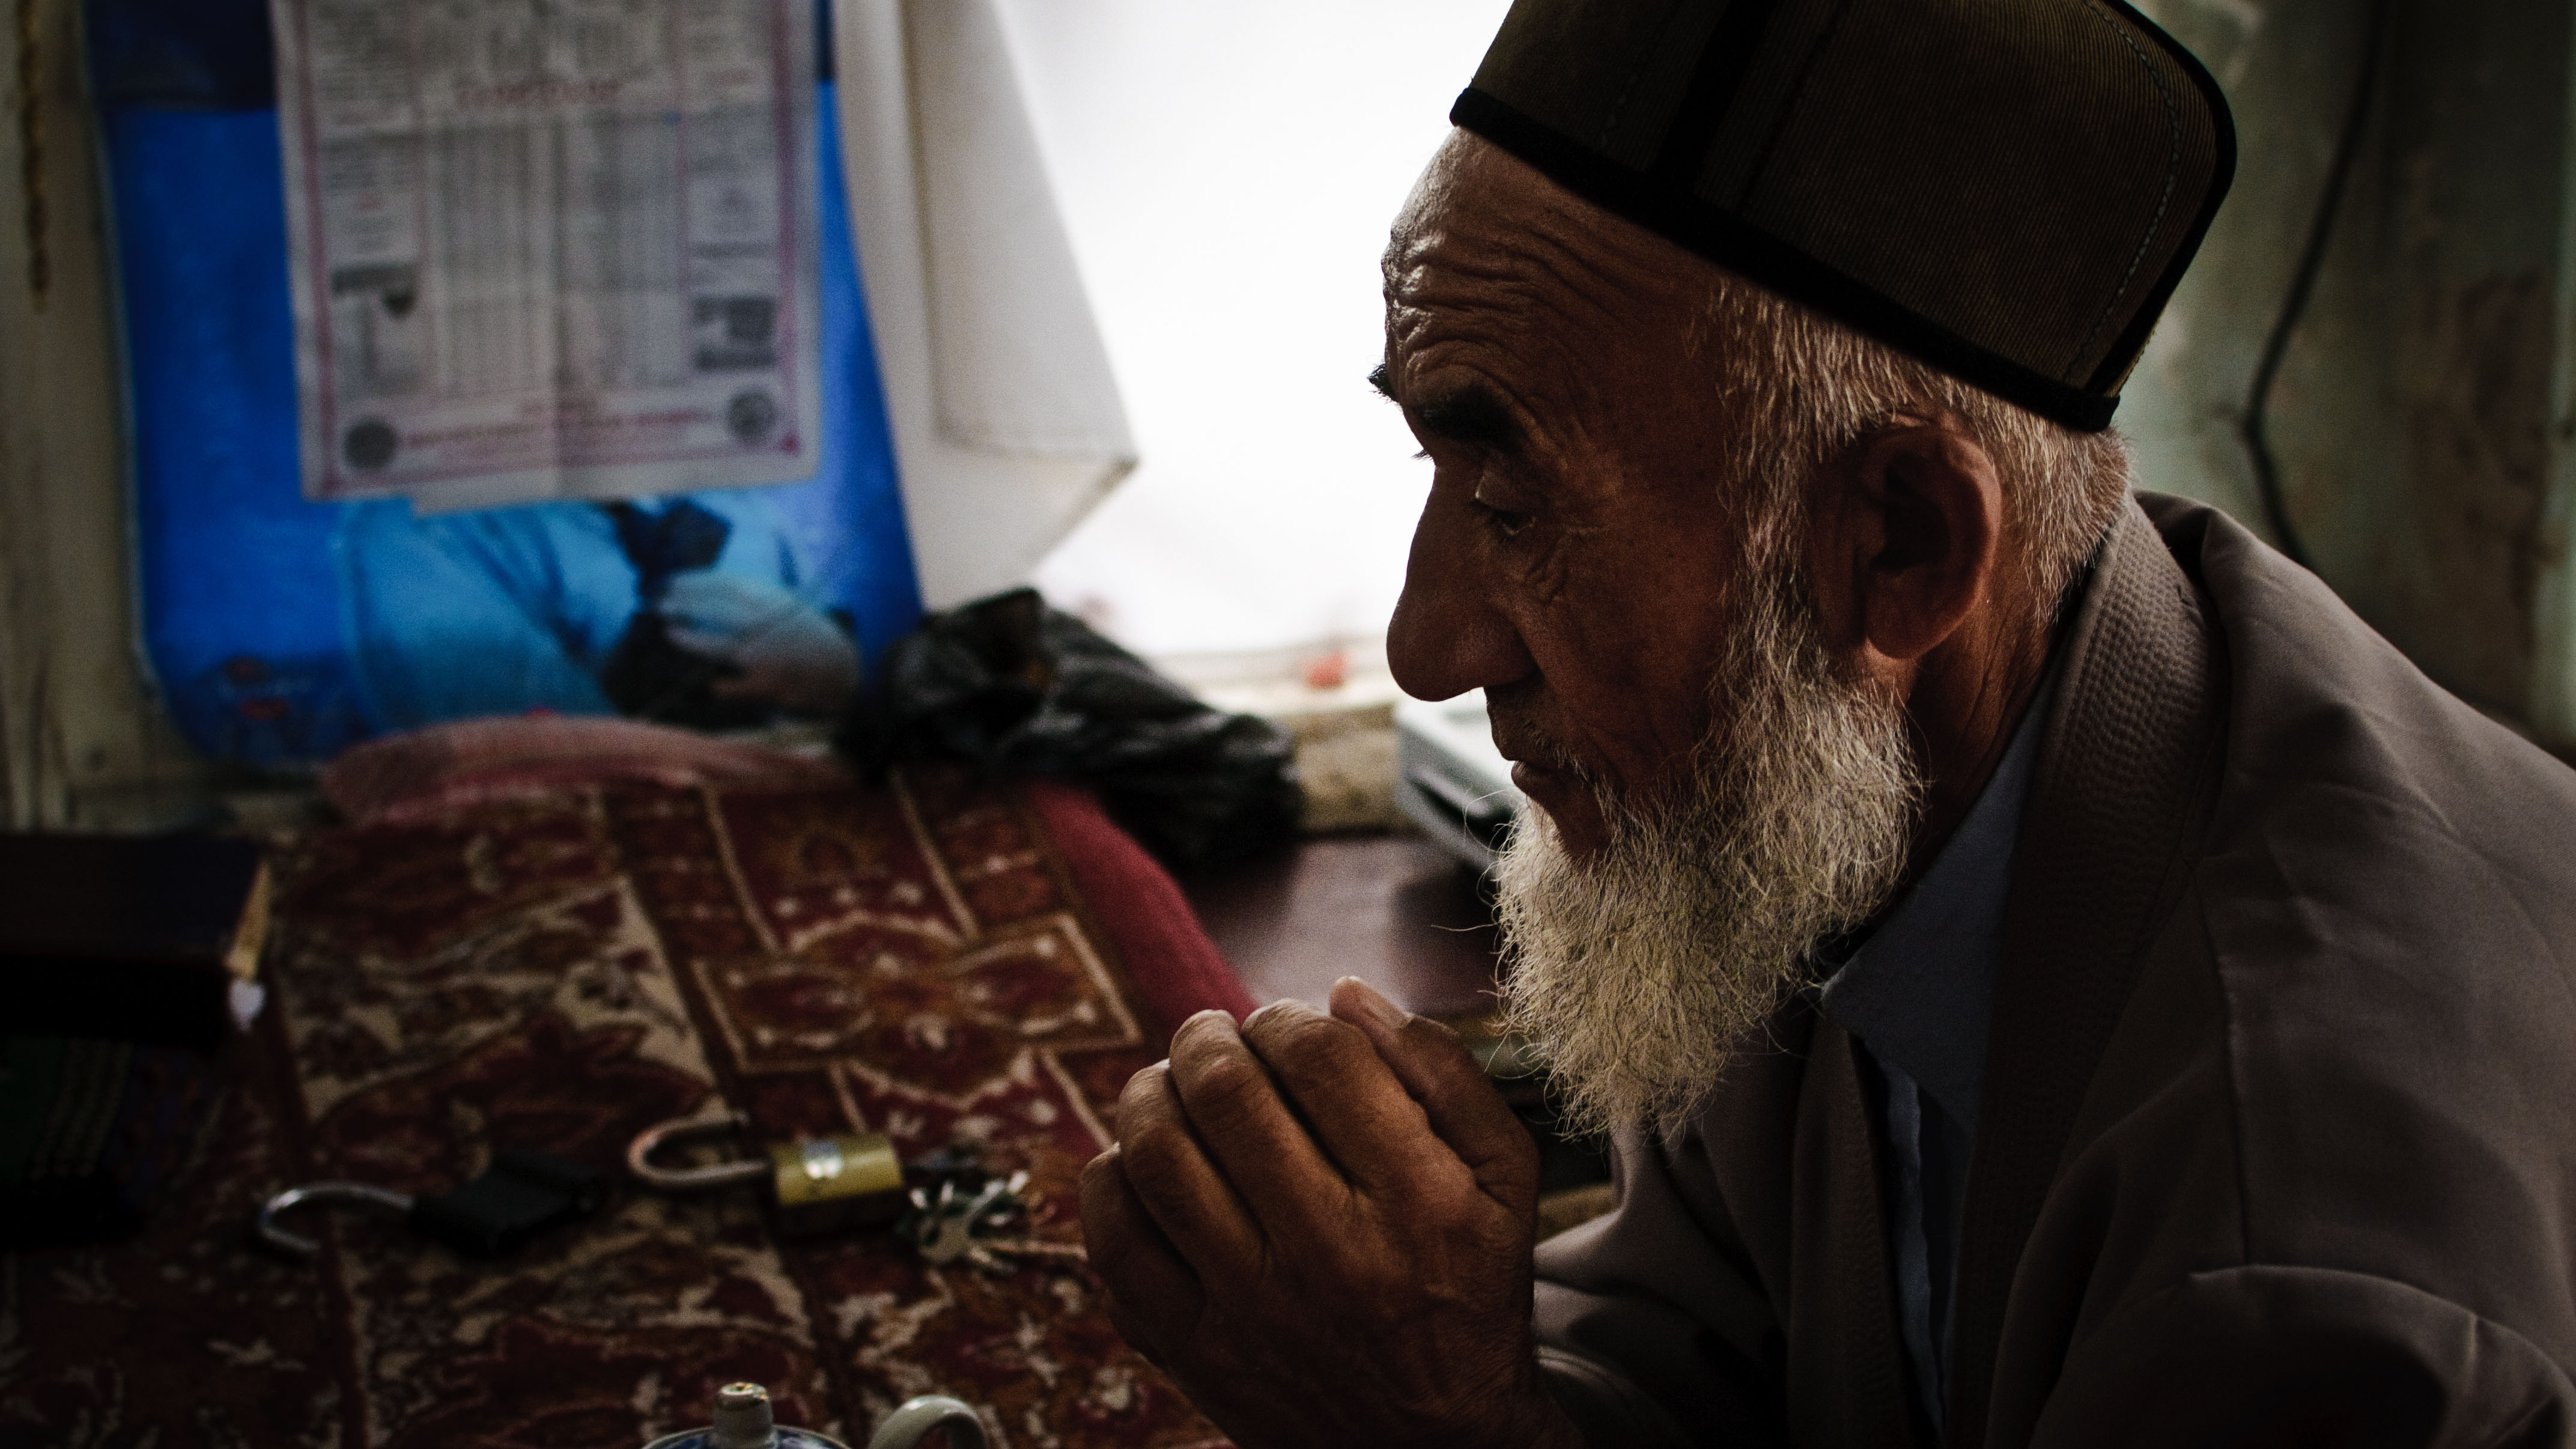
1391, 909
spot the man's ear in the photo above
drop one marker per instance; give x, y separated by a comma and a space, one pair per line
1907, 542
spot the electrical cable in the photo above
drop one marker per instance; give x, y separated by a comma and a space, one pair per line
2303, 281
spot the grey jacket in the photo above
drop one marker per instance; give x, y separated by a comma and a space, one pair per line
2278, 1142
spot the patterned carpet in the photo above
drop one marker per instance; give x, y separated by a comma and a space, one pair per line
935, 961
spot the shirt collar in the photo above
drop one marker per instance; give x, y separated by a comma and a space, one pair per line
1919, 990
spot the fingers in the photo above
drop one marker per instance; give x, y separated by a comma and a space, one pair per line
1166, 1166
713, 643
1391, 1106
709, 602
1237, 1112
726, 598
1359, 1111
1462, 1105
1154, 1298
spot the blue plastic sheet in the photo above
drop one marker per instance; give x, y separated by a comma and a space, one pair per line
282, 630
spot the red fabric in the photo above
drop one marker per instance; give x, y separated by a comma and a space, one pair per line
420, 775
1176, 967
934, 959
425, 773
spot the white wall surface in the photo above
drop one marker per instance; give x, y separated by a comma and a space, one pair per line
1227, 171
82, 746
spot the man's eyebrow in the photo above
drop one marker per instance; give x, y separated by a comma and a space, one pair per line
1471, 414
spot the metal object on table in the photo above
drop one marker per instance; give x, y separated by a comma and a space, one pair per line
744, 1420
815, 1184
965, 1227
914, 1419
358, 1194
520, 1195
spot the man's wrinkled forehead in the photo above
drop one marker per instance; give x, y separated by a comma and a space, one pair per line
1484, 229
1460, 216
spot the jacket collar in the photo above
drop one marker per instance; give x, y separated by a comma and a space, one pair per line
2118, 807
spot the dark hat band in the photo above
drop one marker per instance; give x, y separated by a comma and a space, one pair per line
1659, 187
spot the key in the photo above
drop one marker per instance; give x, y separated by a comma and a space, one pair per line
944, 1228
950, 1239
996, 1255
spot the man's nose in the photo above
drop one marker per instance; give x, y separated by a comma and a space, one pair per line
1447, 636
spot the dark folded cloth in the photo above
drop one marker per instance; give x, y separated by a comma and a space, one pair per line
1021, 689
92, 1134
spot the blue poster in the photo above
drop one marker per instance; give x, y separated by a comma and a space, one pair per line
283, 630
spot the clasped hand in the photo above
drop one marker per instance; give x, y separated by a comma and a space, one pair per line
1320, 1226
784, 649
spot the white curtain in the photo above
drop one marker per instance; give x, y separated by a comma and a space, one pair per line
1007, 422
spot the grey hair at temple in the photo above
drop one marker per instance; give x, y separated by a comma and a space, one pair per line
1802, 388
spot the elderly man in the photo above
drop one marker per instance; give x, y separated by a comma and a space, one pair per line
2053, 975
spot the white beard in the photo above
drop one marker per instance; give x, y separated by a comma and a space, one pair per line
1636, 974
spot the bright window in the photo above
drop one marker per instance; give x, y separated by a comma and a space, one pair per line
1227, 172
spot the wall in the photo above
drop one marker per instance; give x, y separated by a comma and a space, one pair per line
2412, 419
1227, 172
80, 744
2424, 420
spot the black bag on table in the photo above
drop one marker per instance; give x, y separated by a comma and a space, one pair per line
1019, 688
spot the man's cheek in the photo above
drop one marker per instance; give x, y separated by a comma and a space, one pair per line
1544, 574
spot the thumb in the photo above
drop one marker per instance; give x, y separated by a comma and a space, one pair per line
1441, 1074
715, 644
724, 601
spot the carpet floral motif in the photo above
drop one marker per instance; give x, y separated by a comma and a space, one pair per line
560, 973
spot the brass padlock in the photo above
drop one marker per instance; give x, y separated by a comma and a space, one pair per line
816, 1184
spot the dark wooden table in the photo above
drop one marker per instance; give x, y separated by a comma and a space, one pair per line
1390, 909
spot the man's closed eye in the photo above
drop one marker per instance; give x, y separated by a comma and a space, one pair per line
1502, 520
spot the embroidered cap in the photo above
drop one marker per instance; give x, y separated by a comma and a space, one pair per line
2007, 190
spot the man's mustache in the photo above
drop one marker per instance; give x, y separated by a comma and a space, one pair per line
1520, 737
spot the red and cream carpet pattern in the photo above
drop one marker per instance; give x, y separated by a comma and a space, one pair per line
936, 960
